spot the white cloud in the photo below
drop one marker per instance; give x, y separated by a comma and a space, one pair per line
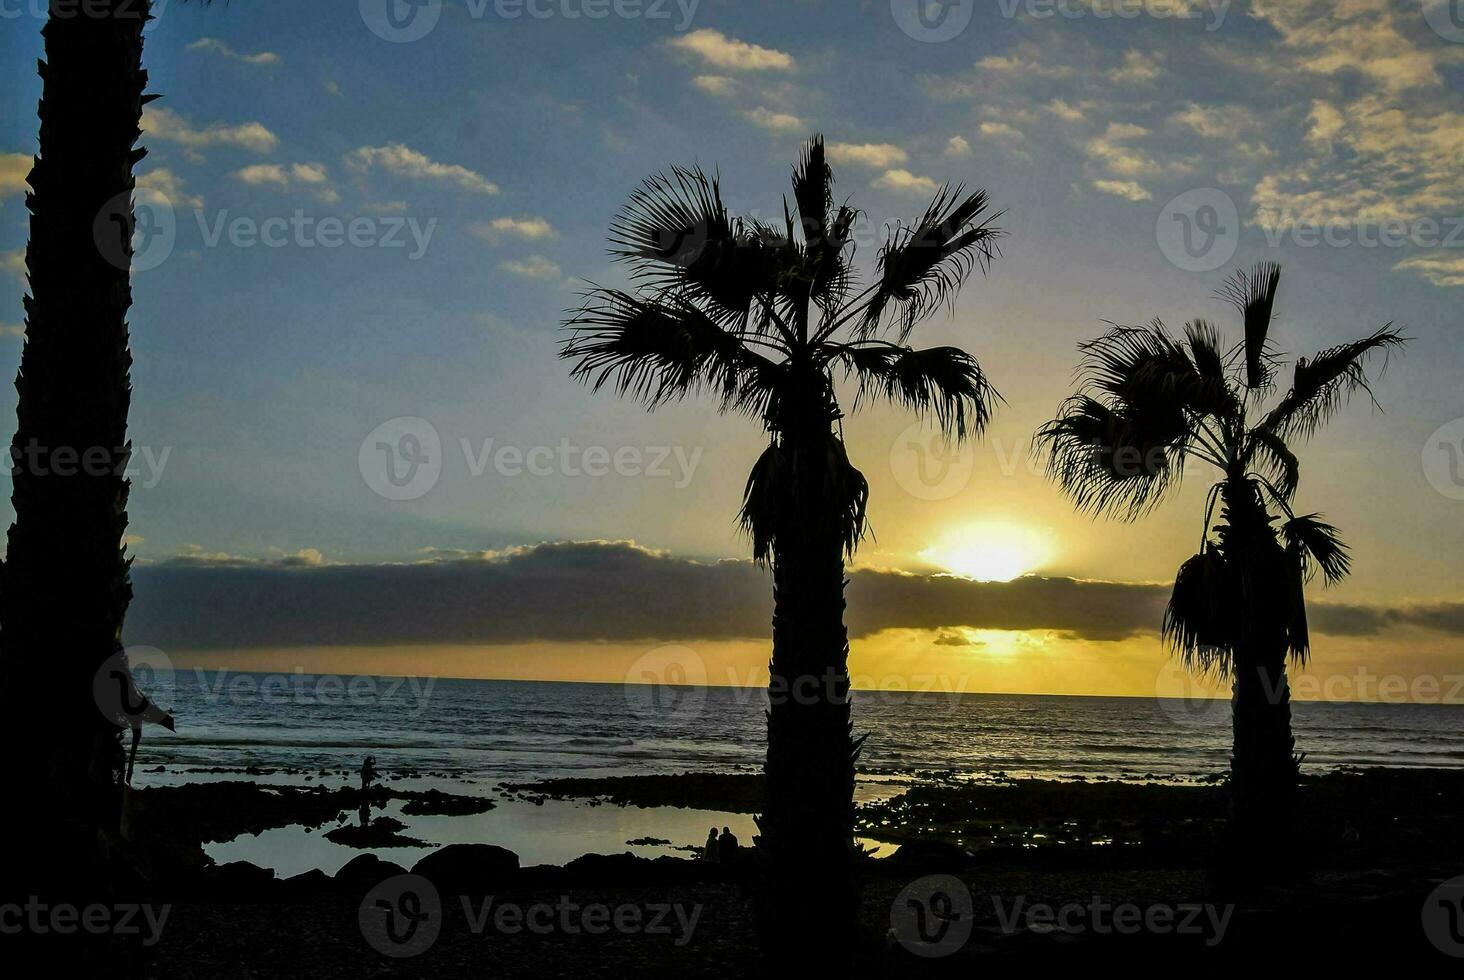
1064, 111
1000, 131
1112, 152
1123, 188
219, 47
718, 85
957, 146
880, 156
1136, 68
778, 122
13, 261
500, 228
12, 330
14, 168
1441, 270
278, 175
718, 49
402, 161
533, 267
1215, 122
165, 124
904, 181
161, 185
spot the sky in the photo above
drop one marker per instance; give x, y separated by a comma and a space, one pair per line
365, 221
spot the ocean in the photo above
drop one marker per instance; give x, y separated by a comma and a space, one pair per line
491, 731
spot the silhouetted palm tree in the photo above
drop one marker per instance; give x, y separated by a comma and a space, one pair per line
64, 586
763, 317
1148, 403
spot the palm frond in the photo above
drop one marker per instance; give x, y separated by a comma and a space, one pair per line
1199, 620
1317, 545
658, 350
941, 382
1275, 461
1325, 383
1253, 293
1107, 462
923, 266
676, 233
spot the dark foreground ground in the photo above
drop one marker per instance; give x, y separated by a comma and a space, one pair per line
1024, 875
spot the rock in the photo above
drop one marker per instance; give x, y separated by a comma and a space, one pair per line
931, 854
312, 882
237, 881
628, 869
468, 868
367, 870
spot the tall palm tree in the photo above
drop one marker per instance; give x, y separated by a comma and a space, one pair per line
64, 585
763, 318
1150, 402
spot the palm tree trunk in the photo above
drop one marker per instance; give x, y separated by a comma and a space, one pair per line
1263, 765
809, 904
64, 585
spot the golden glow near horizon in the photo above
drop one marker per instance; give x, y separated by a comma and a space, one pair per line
990, 551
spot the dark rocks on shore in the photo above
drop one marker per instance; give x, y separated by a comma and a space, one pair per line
366, 871
380, 832
468, 868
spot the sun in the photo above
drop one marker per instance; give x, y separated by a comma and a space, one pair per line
990, 551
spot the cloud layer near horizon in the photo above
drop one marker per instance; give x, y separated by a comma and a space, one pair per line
618, 592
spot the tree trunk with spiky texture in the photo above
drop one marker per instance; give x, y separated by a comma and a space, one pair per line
1263, 767
810, 902
64, 587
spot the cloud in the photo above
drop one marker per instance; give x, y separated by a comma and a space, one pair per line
957, 146
718, 85
1441, 270
1123, 188
161, 185
283, 177
165, 124
617, 591
1000, 131
1215, 122
880, 156
1064, 111
1137, 67
402, 161
535, 229
13, 261
219, 47
721, 51
778, 122
905, 182
14, 168
12, 329
533, 267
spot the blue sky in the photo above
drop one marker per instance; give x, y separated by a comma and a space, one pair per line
260, 370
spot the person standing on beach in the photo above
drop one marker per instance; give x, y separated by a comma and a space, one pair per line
727, 847
709, 850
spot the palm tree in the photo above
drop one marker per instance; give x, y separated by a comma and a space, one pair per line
762, 318
64, 585
1148, 403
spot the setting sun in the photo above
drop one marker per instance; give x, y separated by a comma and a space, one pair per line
990, 551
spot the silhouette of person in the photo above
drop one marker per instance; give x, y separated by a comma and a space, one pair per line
727, 847
709, 851
368, 774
